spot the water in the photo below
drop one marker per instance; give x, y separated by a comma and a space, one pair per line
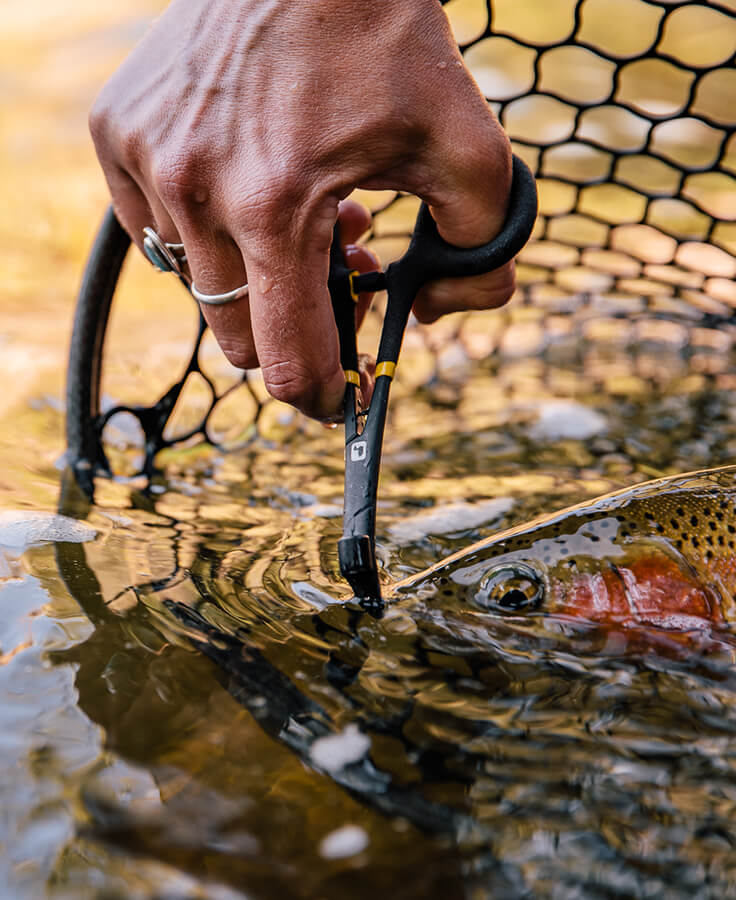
192, 707
169, 685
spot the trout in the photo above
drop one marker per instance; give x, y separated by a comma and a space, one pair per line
660, 554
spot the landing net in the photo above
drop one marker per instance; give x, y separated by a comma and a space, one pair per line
625, 112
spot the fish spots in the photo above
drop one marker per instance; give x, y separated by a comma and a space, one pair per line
445, 589
654, 525
629, 527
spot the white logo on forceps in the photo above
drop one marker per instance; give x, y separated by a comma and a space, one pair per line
358, 451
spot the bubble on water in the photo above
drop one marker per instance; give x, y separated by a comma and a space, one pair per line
336, 751
343, 842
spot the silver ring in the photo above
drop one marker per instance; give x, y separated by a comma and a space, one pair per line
165, 257
219, 299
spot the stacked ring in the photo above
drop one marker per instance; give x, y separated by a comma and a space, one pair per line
165, 257
219, 299
171, 257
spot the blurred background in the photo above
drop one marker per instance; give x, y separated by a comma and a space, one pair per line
53, 60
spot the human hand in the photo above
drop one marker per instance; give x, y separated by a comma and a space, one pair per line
237, 127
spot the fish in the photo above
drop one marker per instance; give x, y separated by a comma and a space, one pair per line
660, 554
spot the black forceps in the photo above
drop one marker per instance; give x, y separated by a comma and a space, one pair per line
428, 258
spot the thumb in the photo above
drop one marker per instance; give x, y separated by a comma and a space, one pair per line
471, 171
469, 202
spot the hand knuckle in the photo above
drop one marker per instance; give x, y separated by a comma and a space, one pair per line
114, 142
99, 122
478, 293
486, 154
499, 288
176, 178
507, 280
270, 204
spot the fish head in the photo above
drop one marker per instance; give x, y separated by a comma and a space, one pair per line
596, 572
608, 563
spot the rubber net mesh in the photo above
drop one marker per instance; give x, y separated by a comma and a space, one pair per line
625, 111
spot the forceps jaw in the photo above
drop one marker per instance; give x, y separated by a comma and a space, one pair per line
357, 558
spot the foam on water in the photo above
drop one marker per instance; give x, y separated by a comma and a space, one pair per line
566, 419
22, 528
344, 842
336, 751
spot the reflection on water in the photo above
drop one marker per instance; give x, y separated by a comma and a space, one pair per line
192, 706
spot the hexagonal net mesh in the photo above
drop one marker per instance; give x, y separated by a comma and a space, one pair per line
625, 111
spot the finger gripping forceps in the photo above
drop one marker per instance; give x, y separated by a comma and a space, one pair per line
428, 258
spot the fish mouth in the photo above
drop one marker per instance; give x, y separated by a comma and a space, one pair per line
512, 587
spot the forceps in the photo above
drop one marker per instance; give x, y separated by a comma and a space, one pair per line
428, 258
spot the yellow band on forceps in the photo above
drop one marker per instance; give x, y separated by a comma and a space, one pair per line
386, 368
353, 292
352, 377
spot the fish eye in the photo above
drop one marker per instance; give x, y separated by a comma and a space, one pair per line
511, 587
